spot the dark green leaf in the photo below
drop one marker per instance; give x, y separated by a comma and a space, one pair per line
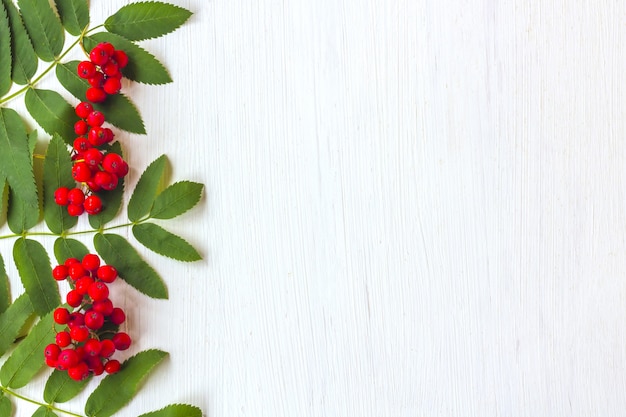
74, 15
5, 290
146, 189
44, 28
118, 389
35, 271
61, 388
116, 251
5, 52
157, 239
175, 410
27, 358
57, 172
145, 20
52, 112
142, 66
21, 216
65, 248
176, 199
15, 159
24, 57
12, 321
119, 110
32, 143
4, 198
44, 411
111, 200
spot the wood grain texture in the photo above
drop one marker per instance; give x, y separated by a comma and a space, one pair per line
412, 208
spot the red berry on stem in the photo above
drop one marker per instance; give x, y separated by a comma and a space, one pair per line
98, 291
93, 319
52, 351
107, 348
81, 144
96, 94
76, 319
93, 157
121, 341
79, 333
97, 136
95, 118
59, 272
91, 262
75, 210
74, 298
107, 273
97, 81
60, 196
78, 372
83, 109
121, 58
99, 55
76, 271
61, 315
117, 316
83, 284
75, 196
81, 127
93, 205
63, 339
81, 172
112, 366
103, 306
68, 358
86, 69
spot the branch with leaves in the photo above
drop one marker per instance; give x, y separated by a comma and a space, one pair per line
32, 36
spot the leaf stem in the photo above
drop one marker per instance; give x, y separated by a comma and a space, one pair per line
79, 232
30, 400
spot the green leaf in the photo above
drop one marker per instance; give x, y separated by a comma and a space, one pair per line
27, 358
159, 240
142, 66
118, 389
119, 110
175, 410
52, 112
44, 411
5, 52
12, 321
5, 290
61, 388
65, 248
57, 172
35, 271
6, 407
44, 28
111, 200
74, 15
24, 63
116, 251
176, 199
146, 189
15, 159
20, 216
145, 20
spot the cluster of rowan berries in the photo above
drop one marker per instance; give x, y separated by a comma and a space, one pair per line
103, 71
90, 335
94, 167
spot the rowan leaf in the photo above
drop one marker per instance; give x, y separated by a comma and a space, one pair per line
146, 189
57, 172
111, 200
15, 158
115, 250
24, 62
142, 66
27, 358
12, 321
176, 199
74, 15
165, 243
44, 28
65, 248
20, 216
51, 112
61, 388
33, 266
146, 20
118, 389
44, 411
5, 51
6, 407
119, 109
5, 289
175, 410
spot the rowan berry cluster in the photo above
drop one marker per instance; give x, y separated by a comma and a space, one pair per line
94, 167
103, 71
90, 336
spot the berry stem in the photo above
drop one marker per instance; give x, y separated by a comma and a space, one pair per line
30, 400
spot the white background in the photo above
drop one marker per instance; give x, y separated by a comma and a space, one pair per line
412, 208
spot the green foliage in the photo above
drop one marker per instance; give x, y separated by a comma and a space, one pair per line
65, 248
44, 411
5, 51
24, 60
61, 388
145, 20
12, 321
115, 250
159, 240
52, 112
44, 28
6, 408
175, 410
146, 189
74, 15
111, 200
57, 172
33, 265
176, 199
5, 291
116, 390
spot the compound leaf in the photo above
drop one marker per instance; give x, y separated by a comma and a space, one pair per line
61, 388
176, 199
159, 240
57, 172
74, 15
27, 358
175, 410
119, 109
15, 158
52, 112
33, 266
12, 321
115, 250
146, 189
146, 20
118, 389
142, 66
24, 63
65, 248
44, 28
5, 51
111, 200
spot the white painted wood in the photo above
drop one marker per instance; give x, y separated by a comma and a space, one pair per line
413, 208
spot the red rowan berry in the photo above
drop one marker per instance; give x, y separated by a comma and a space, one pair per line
93, 319
99, 55
97, 136
95, 365
76, 271
91, 262
107, 134
81, 127
113, 163
78, 372
83, 284
93, 157
76, 196
63, 339
108, 48
52, 351
112, 366
107, 273
67, 358
79, 333
121, 341
110, 69
86, 69
74, 298
103, 306
121, 58
71, 261
96, 94
60, 196
75, 210
59, 272
98, 291
81, 144
107, 348
83, 109
76, 319
118, 316
106, 180
97, 81
81, 172
93, 205
61, 315
95, 119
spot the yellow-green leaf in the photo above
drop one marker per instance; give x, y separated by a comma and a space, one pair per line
44, 411
175, 410
6, 407
61, 388
5, 291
